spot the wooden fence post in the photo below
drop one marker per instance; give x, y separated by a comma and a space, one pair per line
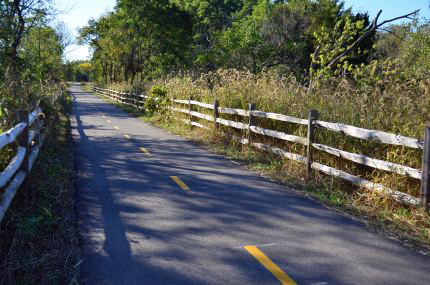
251, 121
23, 139
216, 114
137, 102
425, 181
23, 142
131, 100
313, 115
190, 109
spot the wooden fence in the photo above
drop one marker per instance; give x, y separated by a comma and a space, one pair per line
29, 136
129, 99
312, 124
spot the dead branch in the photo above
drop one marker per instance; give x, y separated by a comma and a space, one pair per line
392, 33
371, 29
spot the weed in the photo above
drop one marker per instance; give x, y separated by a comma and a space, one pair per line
39, 242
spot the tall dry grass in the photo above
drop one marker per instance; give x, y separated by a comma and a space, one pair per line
400, 107
45, 95
394, 104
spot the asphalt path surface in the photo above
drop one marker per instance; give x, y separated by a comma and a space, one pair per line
156, 209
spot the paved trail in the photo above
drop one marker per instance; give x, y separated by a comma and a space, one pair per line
156, 209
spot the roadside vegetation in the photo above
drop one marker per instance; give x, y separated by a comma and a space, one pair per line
410, 226
287, 57
39, 239
78, 71
38, 236
32, 46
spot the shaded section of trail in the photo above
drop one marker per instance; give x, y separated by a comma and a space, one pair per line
138, 226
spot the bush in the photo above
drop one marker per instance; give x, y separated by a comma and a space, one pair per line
45, 95
157, 100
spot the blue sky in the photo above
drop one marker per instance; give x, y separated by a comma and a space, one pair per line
390, 8
76, 13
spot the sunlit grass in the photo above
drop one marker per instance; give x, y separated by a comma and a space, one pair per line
398, 109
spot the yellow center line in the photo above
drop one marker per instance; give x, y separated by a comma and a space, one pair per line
269, 265
145, 151
116, 128
127, 136
180, 183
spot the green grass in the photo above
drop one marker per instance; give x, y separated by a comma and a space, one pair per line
38, 236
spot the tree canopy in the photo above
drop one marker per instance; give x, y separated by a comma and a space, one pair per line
31, 53
147, 39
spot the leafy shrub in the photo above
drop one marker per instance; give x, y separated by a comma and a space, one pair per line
43, 94
157, 100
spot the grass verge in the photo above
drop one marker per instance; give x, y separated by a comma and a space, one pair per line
39, 240
409, 226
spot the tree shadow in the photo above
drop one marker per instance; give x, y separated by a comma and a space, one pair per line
139, 227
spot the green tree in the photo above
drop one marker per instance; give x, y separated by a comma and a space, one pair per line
208, 18
21, 67
17, 18
41, 55
349, 44
275, 35
417, 48
331, 43
146, 38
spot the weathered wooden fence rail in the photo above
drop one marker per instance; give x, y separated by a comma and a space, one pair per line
29, 135
313, 123
127, 98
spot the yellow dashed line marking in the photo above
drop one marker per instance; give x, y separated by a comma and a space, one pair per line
180, 183
145, 151
269, 265
127, 136
116, 128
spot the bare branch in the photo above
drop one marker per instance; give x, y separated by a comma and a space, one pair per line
371, 29
393, 33
408, 16
375, 21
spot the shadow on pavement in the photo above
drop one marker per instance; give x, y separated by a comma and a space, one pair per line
139, 227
